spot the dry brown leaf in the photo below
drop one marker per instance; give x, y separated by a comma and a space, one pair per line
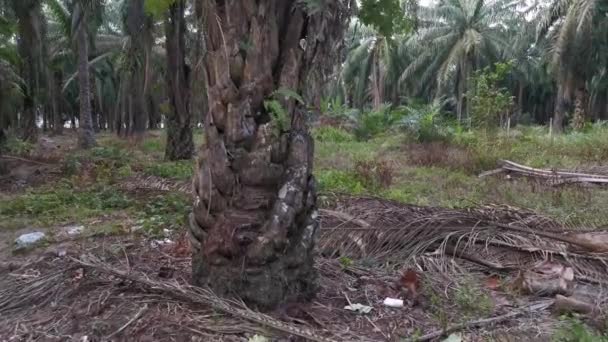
410, 282
492, 282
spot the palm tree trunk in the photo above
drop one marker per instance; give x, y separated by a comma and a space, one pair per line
254, 217
29, 46
578, 119
560, 110
520, 100
86, 136
198, 104
180, 143
56, 98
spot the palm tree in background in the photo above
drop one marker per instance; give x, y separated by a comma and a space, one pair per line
455, 38
29, 43
572, 27
10, 81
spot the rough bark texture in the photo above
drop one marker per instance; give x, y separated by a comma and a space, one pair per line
254, 222
56, 102
139, 28
86, 136
561, 105
180, 144
198, 106
29, 46
580, 103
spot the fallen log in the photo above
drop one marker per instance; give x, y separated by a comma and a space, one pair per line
553, 177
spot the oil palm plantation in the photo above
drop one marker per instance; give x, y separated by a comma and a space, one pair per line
455, 38
372, 68
572, 27
10, 81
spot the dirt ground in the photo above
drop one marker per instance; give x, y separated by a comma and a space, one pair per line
460, 274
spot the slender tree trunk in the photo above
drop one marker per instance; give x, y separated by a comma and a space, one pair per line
560, 110
254, 216
460, 93
56, 98
180, 143
520, 100
198, 105
86, 136
94, 103
29, 46
153, 113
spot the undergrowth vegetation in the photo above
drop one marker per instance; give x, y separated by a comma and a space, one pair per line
421, 158
404, 164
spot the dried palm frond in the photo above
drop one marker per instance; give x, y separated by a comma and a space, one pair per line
503, 238
193, 294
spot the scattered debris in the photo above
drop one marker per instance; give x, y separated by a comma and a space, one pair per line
258, 338
158, 243
535, 307
455, 337
492, 282
73, 230
565, 304
547, 279
553, 177
393, 302
360, 308
410, 283
29, 240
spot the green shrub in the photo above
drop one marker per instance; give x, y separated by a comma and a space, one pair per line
181, 170
117, 155
332, 134
17, 146
427, 123
574, 330
167, 211
472, 301
61, 203
372, 123
339, 181
153, 145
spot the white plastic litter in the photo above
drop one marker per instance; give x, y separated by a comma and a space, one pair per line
29, 239
393, 302
158, 243
359, 308
74, 230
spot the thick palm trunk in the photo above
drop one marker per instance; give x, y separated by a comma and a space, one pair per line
254, 218
139, 27
180, 144
580, 102
86, 136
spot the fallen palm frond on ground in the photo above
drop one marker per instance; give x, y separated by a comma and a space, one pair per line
497, 238
63, 296
552, 177
453, 259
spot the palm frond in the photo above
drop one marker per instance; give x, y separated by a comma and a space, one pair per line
92, 62
61, 16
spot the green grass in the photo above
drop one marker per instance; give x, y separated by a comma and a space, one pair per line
179, 170
58, 204
455, 184
572, 329
167, 211
446, 181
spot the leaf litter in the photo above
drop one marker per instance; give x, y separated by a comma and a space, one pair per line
420, 255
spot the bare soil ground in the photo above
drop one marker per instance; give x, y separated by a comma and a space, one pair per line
460, 272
